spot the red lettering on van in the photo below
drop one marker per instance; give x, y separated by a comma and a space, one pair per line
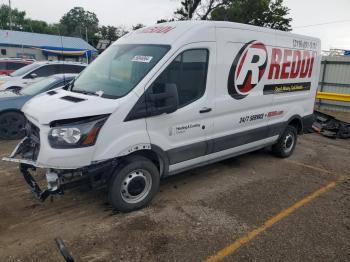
286, 63
294, 72
275, 63
291, 64
305, 64
312, 60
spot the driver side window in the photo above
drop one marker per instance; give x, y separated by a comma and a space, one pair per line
188, 72
44, 71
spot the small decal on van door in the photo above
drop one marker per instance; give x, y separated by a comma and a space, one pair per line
178, 130
142, 59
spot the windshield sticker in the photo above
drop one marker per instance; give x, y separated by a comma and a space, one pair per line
142, 59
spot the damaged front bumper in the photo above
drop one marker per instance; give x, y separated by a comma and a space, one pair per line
38, 193
58, 179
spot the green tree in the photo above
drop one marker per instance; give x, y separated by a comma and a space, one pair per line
197, 9
267, 13
137, 26
18, 18
80, 23
21, 23
111, 33
41, 27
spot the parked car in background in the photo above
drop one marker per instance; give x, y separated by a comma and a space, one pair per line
33, 72
10, 65
12, 121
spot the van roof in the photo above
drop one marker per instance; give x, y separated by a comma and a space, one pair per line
170, 32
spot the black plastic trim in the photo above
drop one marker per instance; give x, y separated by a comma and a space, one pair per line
307, 122
77, 121
188, 152
181, 154
72, 99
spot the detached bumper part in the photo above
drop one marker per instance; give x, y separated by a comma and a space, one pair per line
38, 193
96, 176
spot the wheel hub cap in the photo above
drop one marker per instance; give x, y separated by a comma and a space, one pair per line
288, 143
136, 186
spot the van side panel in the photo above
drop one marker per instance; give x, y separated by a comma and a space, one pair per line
241, 106
294, 77
263, 80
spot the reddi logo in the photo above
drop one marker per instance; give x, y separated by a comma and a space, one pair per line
247, 69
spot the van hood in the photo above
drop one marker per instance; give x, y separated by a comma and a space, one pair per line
62, 104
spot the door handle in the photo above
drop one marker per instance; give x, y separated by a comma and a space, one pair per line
205, 110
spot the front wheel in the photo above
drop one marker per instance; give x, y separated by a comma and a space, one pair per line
12, 125
133, 184
286, 143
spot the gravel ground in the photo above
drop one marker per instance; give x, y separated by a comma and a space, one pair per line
196, 213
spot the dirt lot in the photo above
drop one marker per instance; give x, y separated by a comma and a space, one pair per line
195, 215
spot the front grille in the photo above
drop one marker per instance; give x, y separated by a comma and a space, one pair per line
33, 143
33, 132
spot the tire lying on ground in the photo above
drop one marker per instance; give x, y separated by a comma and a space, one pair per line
12, 125
133, 184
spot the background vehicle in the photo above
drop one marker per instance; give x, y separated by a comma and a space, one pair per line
33, 72
9, 65
168, 98
12, 120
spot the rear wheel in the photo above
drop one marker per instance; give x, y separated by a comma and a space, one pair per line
12, 125
133, 184
286, 143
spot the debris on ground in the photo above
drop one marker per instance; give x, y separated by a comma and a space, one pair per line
63, 250
331, 127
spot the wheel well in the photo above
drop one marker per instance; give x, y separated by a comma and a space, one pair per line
152, 156
297, 123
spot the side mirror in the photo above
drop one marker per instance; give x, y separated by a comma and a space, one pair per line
33, 75
163, 99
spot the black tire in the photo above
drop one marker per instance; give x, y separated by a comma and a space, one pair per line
286, 143
12, 125
125, 186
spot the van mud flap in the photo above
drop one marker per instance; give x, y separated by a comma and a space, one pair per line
38, 193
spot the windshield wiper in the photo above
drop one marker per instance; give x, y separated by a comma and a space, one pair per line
84, 92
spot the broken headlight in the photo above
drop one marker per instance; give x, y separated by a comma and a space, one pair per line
81, 133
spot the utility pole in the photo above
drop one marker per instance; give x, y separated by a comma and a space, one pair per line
189, 9
10, 15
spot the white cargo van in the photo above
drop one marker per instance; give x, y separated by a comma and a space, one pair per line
168, 98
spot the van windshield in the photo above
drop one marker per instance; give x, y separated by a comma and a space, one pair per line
119, 69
